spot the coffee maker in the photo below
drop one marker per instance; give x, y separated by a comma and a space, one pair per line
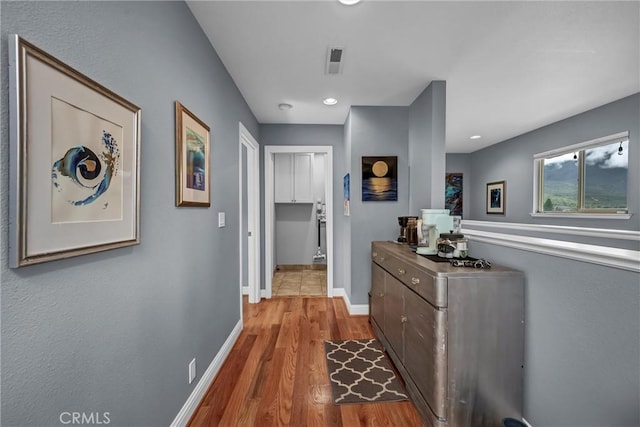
407, 228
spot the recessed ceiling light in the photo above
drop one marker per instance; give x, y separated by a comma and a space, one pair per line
285, 107
349, 2
475, 137
330, 101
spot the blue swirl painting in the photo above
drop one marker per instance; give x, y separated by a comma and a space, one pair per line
82, 167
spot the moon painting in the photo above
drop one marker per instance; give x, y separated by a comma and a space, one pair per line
379, 179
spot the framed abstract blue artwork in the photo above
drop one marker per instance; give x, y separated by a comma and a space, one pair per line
496, 197
346, 188
75, 156
453, 193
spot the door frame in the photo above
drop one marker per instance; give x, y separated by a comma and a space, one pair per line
269, 208
252, 234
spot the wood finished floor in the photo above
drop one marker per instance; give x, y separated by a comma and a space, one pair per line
276, 373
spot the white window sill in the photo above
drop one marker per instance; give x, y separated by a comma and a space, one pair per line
578, 215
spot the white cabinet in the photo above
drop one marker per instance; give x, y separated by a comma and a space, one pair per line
293, 177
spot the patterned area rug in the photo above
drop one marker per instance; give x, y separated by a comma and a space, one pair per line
361, 373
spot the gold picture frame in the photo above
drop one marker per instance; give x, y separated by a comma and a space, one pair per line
193, 159
496, 197
75, 161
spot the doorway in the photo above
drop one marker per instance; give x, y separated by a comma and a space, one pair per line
249, 202
270, 209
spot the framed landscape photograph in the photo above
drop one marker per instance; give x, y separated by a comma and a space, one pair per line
193, 157
496, 197
379, 179
75, 161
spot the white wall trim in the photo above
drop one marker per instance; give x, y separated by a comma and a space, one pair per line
251, 235
190, 406
353, 309
625, 259
581, 215
615, 138
245, 291
603, 233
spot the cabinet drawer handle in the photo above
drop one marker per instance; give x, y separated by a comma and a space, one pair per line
403, 319
401, 271
381, 294
374, 254
415, 281
381, 258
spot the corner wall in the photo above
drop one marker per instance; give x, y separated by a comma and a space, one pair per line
114, 331
427, 128
375, 131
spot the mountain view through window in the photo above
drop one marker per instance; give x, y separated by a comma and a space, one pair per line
590, 179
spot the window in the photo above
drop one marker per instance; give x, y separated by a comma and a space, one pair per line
590, 177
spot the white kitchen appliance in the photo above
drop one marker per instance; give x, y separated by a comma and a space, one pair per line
433, 222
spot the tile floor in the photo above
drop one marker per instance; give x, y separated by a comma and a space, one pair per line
303, 282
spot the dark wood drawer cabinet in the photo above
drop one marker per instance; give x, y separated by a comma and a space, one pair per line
446, 329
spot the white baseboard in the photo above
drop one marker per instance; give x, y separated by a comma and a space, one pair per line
245, 291
207, 378
354, 309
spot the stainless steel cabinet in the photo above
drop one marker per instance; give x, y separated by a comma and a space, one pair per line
377, 295
394, 317
425, 350
455, 334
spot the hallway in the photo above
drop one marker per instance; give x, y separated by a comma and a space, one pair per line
276, 373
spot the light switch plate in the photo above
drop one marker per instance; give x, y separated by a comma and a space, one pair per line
221, 219
192, 370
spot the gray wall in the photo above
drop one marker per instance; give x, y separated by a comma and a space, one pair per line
295, 233
114, 331
512, 161
581, 340
427, 148
375, 131
582, 327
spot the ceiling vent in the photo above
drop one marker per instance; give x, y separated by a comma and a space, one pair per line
334, 60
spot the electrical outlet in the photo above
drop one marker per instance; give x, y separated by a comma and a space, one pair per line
192, 370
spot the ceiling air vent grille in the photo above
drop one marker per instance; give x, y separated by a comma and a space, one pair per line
334, 60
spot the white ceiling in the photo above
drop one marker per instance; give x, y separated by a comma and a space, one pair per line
510, 67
